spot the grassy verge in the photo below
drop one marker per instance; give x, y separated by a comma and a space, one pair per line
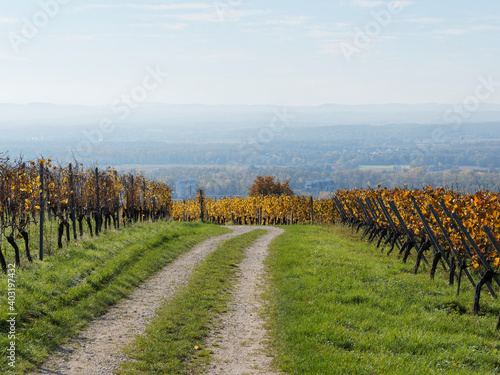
168, 347
341, 307
56, 298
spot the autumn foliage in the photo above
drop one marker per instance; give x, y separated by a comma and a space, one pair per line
478, 210
267, 186
100, 195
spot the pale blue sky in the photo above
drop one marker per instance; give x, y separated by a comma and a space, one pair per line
249, 51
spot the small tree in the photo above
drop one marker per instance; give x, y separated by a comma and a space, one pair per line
267, 186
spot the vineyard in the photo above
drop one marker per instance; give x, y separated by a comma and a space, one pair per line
41, 202
321, 273
462, 230
36, 196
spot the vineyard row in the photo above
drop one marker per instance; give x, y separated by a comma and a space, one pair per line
73, 196
461, 229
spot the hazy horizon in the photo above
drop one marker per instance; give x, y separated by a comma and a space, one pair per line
258, 105
319, 88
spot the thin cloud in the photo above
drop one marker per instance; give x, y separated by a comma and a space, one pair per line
378, 3
178, 6
367, 3
78, 38
201, 12
401, 4
322, 32
318, 33
233, 15
174, 26
425, 20
330, 47
289, 20
481, 28
454, 31
10, 57
8, 20
165, 25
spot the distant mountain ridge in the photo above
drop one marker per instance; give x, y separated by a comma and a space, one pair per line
174, 114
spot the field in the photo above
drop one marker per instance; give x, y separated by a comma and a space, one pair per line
338, 306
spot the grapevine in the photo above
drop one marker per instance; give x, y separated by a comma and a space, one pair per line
73, 196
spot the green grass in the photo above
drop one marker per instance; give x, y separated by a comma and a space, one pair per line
56, 298
168, 346
49, 243
341, 307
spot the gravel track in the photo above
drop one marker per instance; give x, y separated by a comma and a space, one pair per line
238, 342
98, 350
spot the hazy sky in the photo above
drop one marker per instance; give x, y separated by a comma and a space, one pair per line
287, 52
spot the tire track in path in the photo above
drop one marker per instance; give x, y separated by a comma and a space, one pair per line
98, 349
238, 342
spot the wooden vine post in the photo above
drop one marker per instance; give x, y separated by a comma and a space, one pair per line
72, 195
456, 225
143, 207
461, 261
438, 250
394, 209
3, 262
488, 276
396, 238
201, 201
496, 245
98, 208
311, 209
118, 212
42, 210
131, 209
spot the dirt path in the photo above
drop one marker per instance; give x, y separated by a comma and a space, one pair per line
98, 349
238, 341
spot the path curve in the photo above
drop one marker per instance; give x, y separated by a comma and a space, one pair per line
98, 349
238, 342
